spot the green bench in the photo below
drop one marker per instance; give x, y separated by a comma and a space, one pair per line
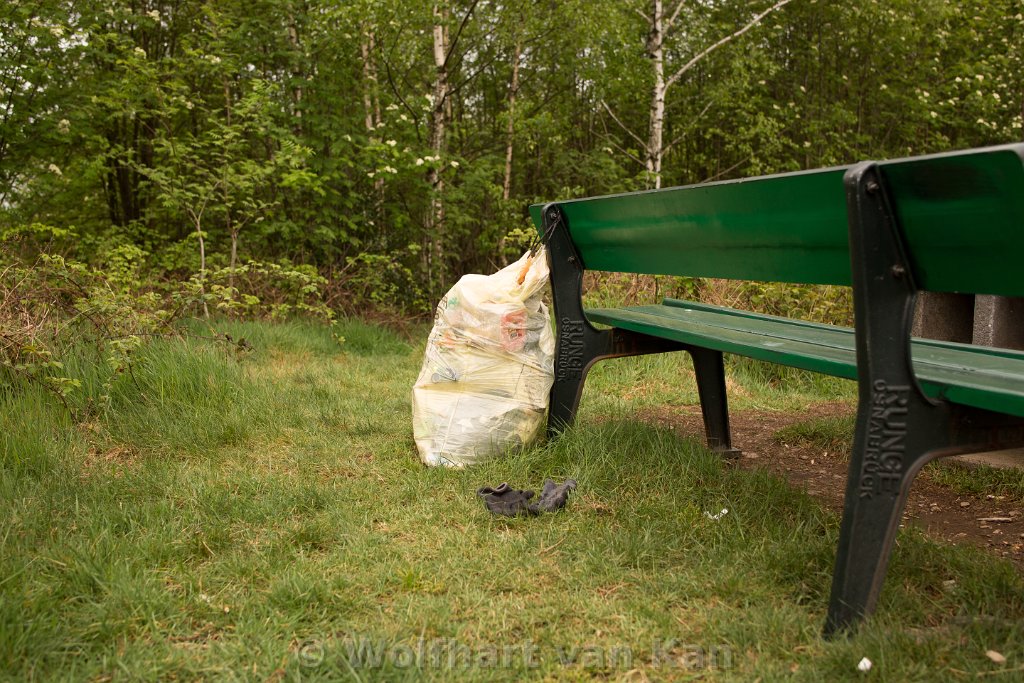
942, 223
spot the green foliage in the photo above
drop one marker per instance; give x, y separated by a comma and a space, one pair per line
208, 135
820, 303
53, 309
265, 291
383, 281
53, 306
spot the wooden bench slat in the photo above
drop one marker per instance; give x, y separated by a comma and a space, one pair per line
974, 376
918, 341
962, 214
782, 228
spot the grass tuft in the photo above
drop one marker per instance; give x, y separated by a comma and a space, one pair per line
834, 434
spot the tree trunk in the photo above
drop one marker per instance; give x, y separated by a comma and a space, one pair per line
434, 223
656, 126
513, 89
510, 129
234, 251
202, 264
297, 73
371, 100
371, 105
655, 49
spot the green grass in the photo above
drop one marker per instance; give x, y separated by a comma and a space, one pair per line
263, 516
979, 479
828, 433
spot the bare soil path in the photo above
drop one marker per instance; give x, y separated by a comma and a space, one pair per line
994, 523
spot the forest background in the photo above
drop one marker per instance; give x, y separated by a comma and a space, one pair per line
269, 157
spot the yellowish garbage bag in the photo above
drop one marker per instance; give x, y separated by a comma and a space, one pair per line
488, 367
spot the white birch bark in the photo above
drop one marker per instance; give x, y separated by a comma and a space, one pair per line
371, 106
510, 135
434, 222
659, 27
656, 124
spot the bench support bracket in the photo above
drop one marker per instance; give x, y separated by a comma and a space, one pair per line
899, 429
579, 344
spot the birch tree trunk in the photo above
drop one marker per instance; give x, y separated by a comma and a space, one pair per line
434, 223
293, 39
510, 130
656, 127
197, 222
371, 100
371, 105
659, 27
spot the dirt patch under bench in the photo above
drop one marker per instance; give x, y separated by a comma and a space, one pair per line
992, 522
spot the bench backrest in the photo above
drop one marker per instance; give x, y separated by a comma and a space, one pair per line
962, 215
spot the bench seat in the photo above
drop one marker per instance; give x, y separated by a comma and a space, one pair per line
950, 222
991, 379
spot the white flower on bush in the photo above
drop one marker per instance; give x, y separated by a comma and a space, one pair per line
455, 164
419, 162
391, 143
64, 126
54, 169
140, 52
153, 14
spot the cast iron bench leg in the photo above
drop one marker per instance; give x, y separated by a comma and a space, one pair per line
709, 367
898, 432
876, 493
898, 427
565, 399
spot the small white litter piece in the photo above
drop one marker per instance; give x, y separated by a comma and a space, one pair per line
864, 665
715, 518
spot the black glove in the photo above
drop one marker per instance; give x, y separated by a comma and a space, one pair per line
505, 500
553, 496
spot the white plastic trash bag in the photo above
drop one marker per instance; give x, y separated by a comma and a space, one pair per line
488, 367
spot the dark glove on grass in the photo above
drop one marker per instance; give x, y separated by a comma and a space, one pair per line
554, 496
507, 501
